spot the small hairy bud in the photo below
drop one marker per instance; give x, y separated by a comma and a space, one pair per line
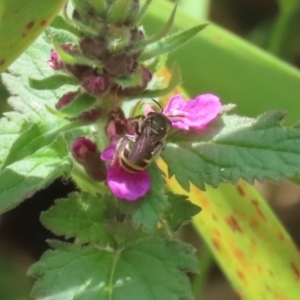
86, 154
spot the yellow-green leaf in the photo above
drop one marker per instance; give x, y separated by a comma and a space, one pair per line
21, 22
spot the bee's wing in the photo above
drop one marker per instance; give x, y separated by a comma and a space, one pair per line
140, 149
145, 148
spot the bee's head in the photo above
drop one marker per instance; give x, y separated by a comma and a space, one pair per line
158, 124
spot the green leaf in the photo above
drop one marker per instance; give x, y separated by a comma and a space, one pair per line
148, 210
78, 105
73, 59
174, 82
118, 11
159, 34
249, 149
288, 6
80, 216
11, 126
35, 152
38, 135
170, 43
180, 211
52, 82
26, 100
149, 269
23, 178
142, 11
60, 36
61, 24
21, 22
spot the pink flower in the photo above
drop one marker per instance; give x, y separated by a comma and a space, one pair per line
192, 114
55, 61
123, 184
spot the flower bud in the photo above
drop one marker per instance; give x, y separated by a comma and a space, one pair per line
120, 65
93, 48
95, 84
146, 78
86, 154
91, 115
65, 100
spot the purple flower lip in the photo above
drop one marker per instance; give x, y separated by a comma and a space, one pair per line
123, 184
191, 114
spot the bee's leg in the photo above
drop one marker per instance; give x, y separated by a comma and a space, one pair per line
157, 149
127, 138
136, 123
137, 128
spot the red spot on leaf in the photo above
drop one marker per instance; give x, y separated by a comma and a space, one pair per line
233, 224
2, 62
24, 35
271, 273
281, 236
240, 190
254, 224
216, 244
43, 23
214, 217
296, 271
217, 233
258, 210
238, 253
30, 25
241, 275
259, 268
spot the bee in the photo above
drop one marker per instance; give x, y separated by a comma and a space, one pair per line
137, 151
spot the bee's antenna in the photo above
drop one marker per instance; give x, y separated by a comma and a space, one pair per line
158, 104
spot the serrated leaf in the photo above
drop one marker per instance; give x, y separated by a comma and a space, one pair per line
81, 216
37, 136
28, 101
11, 126
148, 210
22, 179
181, 210
35, 152
260, 149
149, 269
170, 43
32, 18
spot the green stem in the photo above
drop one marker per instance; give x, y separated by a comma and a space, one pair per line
87, 184
206, 260
279, 33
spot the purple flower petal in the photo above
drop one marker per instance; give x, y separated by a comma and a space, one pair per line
196, 113
125, 185
108, 153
